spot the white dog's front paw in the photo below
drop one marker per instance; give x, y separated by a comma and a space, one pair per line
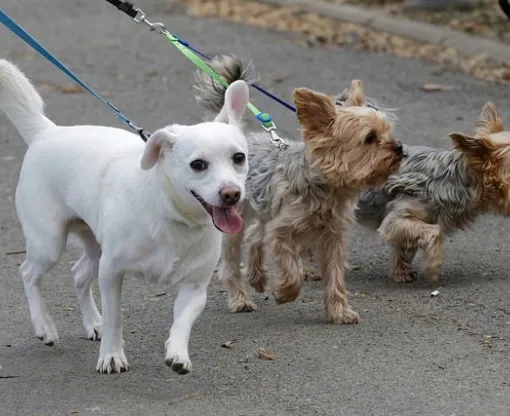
115, 362
45, 330
177, 360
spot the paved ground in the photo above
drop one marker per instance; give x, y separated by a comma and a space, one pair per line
411, 355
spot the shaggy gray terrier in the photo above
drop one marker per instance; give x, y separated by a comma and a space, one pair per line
304, 194
439, 191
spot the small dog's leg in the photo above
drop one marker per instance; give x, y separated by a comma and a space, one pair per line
188, 306
42, 255
230, 274
84, 273
288, 280
111, 352
307, 265
32, 271
403, 271
333, 264
410, 231
257, 271
432, 242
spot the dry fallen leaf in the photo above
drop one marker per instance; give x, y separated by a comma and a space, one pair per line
267, 355
72, 89
437, 87
228, 344
487, 340
46, 88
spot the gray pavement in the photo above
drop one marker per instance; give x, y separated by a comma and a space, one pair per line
410, 355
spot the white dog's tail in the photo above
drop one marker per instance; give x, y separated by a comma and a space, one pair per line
20, 101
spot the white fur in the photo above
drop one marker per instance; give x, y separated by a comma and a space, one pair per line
130, 206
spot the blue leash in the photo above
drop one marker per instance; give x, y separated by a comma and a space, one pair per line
24, 35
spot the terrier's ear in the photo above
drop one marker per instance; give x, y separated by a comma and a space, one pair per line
479, 147
160, 140
355, 95
489, 122
315, 111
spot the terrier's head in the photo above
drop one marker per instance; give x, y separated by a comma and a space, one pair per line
351, 145
487, 155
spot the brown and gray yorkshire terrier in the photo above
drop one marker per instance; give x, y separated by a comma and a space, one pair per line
437, 191
305, 194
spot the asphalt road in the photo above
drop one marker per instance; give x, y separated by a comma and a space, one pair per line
410, 355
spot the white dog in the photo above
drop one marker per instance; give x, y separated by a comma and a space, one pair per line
148, 210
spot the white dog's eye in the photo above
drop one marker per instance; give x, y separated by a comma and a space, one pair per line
239, 158
198, 165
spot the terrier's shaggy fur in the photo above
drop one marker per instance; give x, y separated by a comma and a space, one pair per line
304, 195
439, 191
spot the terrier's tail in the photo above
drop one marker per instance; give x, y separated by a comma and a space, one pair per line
21, 103
210, 94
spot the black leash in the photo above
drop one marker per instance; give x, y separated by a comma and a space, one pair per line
125, 6
504, 4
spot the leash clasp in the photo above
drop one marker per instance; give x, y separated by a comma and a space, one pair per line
157, 27
268, 125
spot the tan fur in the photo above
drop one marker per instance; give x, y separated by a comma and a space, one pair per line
319, 214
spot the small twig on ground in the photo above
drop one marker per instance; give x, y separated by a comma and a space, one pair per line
11, 253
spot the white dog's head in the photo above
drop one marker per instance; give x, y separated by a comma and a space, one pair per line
206, 164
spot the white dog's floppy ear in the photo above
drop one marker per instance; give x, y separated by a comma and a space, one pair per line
160, 140
236, 100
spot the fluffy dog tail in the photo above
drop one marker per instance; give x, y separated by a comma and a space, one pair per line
21, 103
210, 94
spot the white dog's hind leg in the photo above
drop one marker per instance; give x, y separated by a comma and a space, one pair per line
188, 306
111, 352
84, 273
41, 257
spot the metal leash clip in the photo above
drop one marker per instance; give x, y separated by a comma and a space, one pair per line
267, 124
157, 27
275, 139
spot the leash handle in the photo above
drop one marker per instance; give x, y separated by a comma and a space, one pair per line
125, 6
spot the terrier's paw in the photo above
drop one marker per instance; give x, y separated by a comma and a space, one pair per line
404, 276
241, 304
46, 330
286, 294
312, 275
345, 316
115, 362
433, 277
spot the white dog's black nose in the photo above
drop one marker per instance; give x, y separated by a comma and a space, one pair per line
230, 195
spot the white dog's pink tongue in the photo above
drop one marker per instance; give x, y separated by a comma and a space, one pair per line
227, 220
